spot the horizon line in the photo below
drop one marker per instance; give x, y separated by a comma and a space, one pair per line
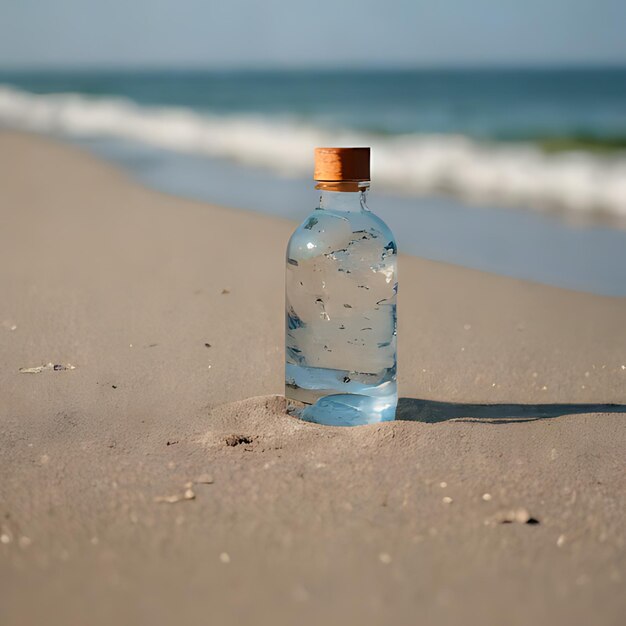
199, 67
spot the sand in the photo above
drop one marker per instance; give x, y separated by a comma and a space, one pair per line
498, 497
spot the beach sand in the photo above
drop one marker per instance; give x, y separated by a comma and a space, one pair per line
171, 313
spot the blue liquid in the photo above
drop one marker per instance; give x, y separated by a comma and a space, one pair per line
341, 318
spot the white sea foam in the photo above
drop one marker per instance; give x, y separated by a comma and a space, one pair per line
500, 174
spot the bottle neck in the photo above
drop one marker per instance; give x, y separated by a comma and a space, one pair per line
345, 196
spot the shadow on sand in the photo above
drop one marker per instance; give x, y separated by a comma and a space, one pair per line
432, 411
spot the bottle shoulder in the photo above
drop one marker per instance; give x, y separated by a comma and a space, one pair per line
325, 230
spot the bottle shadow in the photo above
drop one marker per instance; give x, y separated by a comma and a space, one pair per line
433, 411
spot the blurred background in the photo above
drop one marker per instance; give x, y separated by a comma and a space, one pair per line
498, 129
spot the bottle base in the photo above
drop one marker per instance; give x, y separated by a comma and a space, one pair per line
340, 398
344, 410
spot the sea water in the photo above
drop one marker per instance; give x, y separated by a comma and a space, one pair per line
341, 319
547, 143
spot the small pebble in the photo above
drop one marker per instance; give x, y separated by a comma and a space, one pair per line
467, 326
385, 558
519, 516
24, 541
446, 500
56, 367
225, 557
204, 479
560, 541
168, 499
487, 497
443, 484
4, 538
188, 495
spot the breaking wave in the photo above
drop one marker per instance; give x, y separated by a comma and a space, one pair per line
506, 174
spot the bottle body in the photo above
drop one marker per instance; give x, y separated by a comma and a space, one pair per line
341, 288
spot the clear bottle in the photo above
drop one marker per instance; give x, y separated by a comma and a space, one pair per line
341, 288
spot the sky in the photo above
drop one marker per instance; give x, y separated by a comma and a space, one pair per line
320, 33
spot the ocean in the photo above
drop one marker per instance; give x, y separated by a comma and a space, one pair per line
518, 172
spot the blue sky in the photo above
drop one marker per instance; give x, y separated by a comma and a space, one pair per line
321, 33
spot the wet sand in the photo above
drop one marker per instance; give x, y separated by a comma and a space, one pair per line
497, 497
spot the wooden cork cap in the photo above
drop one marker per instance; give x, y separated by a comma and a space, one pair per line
339, 164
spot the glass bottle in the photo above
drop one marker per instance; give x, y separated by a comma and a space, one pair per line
341, 288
